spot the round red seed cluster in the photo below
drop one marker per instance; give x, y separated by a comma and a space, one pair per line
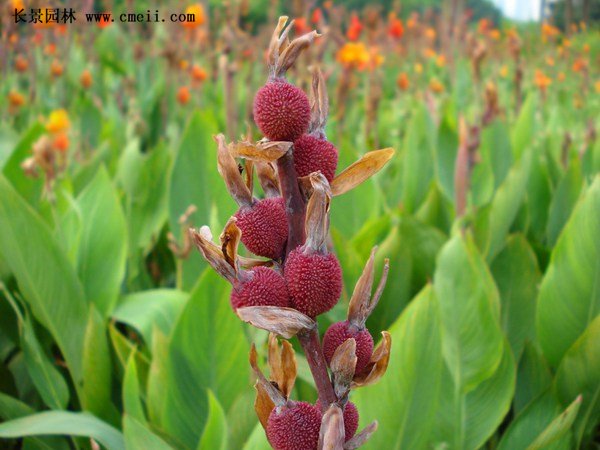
313, 154
260, 287
340, 332
294, 428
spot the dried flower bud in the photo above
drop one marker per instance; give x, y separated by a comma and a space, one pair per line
360, 171
332, 434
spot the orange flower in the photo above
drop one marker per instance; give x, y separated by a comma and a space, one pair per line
104, 21
56, 69
586, 48
317, 16
16, 99
550, 61
436, 86
58, 121
597, 86
549, 31
198, 73
561, 76
494, 34
21, 63
580, 65
419, 68
566, 43
13, 38
45, 21
183, 64
301, 26
484, 25
50, 49
355, 28
353, 55
504, 71
430, 33
440, 61
403, 82
198, 13
61, 142
183, 95
542, 81
429, 53
395, 27
413, 21
86, 79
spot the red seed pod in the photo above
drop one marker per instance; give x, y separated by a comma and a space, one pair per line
351, 419
314, 281
313, 154
339, 332
260, 286
264, 227
294, 426
281, 110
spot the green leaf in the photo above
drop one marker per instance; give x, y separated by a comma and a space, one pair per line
157, 378
472, 340
103, 243
466, 421
132, 404
524, 129
570, 292
138, 436
208, 350
496, 148
565, 198
579, 374
257, 440
557, 428
491, 233
405, 400
146, 309
45, 277
533, 377
64, 422
45, 376
517, 276
535, 422
447, 149
214, 436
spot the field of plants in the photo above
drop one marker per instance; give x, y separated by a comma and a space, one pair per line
453, 155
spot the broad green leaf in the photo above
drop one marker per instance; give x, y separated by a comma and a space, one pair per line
436, 210
531, 423
239, 422
8, 140
146, 309
157, 378
524, 128
466, 421
472, 341
132, 404
533, 377
569, 298
195, 181
491, 236
496, 148
45, 376
64, 423
579, 374
557, 428
45, 277
208, 350
11, 408
257, 440
214, 436
405, 400
103, 243
539, 196
565, 198
97, 369
517, 276
138, 436
447, 148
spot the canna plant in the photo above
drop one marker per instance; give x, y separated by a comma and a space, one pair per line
302, 279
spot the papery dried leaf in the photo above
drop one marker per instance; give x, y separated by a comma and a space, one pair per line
293, 50
263, 151
230, 173
362, 302
317, 213
360, 171
263, 405
343, 365
249, 174
202, 238
272, 392
275, 44
250, 263
282, 362
285, 322
230, 241
361, 438
319, 102
268, 179
378, 364
332, 434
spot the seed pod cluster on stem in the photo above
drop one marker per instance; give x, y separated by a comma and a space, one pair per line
301, 278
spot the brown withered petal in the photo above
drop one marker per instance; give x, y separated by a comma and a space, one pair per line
249, 174
343, 365
378, 364
278, 39
263, 151
285, 322
282, 362
230, 173
202, 238
272, 392
268, 179
332, 434
317, 217
230, 241
263, 405
319, 101
360, 171
361, 438
292, 51
362, 304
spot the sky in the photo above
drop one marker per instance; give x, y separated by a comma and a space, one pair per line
520, 9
